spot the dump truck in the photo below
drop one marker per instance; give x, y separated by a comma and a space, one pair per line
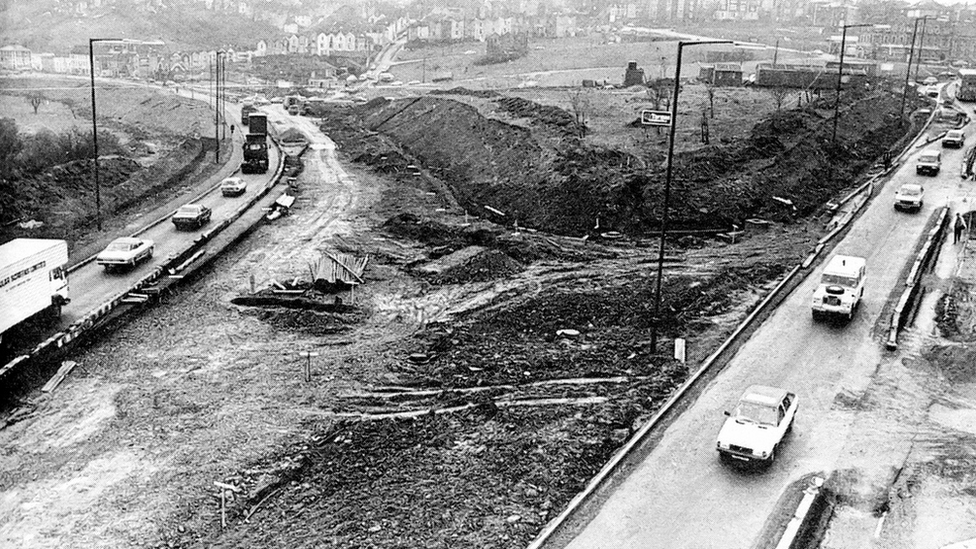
256, 144
33, 280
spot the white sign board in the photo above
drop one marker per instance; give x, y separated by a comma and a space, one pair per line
655, 118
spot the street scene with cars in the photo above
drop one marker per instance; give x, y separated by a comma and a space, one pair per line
485, 276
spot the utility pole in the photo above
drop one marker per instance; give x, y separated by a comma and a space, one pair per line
667, 184
921, 47
91, 69
908, 70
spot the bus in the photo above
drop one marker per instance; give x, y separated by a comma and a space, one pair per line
967, 88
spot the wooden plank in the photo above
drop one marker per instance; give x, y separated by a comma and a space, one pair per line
63, 372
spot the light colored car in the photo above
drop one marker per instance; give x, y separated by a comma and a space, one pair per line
841, 287
929, 162
910, 197
954, 138
233, 186
125, 252
754, 431
930, 81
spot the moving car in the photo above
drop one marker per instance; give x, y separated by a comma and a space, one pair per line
233, 186
125, 252
841, 287
754, 431
909, 197
930, 162
954, 138
191, 216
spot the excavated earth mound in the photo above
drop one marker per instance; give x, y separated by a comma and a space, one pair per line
492, 166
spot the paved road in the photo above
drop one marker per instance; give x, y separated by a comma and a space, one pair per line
681, 496
91, 285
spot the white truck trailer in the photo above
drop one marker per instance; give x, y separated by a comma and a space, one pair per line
33, 279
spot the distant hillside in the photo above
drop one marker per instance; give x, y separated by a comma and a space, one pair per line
42, 26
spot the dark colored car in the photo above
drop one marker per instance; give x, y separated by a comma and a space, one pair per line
191, 216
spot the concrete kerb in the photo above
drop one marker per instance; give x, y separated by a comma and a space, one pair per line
800, 522
615, 461
899, 316
78, 327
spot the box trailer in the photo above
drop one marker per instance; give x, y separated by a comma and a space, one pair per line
33, 279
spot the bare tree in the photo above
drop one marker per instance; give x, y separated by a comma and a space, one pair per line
779, 95
579, 100
35, 99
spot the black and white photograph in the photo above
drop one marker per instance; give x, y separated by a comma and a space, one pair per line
487, 274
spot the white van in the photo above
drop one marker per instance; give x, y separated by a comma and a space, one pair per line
841, 287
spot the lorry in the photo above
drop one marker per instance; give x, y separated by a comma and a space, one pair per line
246, 111
256, 144
33, 280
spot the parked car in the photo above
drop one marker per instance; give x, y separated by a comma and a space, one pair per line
841, 287
754, 430
125, 252
910, 197
929, 162
930, 81
954, 138
233, 186
191, 216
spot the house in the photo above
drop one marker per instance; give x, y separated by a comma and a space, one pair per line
15, 57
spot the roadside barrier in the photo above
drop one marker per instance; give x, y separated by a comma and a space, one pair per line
93, 318
900, 316
862, 193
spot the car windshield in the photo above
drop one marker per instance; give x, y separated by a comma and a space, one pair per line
911, 190
188, 210
929, 158
118, 247
750, 412
231, 183
838, 280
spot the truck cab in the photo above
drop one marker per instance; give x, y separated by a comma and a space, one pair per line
841, 287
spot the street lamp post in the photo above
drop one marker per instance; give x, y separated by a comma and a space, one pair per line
921, 42
840, 75
908, 69
91, 69
667, 181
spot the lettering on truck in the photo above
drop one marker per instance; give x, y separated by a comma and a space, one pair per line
33, 279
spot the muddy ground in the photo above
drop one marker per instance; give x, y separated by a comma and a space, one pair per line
476, 381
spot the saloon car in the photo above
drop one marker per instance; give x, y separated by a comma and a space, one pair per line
233, 186
125, 252
754, 430
954, 138
191, 216
910, 197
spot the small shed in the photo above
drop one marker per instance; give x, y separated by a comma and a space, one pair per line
727, 74
706, 72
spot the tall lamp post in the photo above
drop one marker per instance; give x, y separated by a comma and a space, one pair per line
667, 181
91, 70
840, 74
908, 69
921, 42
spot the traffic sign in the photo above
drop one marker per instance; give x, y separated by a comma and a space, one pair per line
655, 118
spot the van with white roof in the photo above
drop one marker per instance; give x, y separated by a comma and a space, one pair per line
841, 287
